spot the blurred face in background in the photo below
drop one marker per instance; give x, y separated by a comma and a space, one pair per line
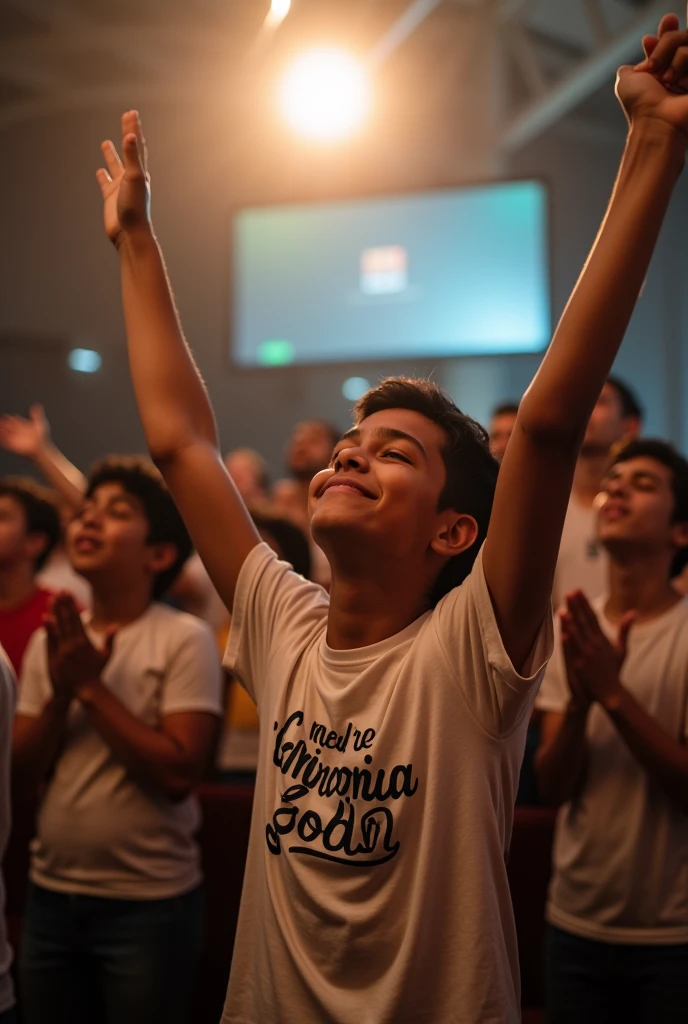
501, 426
16, 543
249, 471
608, 425
309, 449
636, 509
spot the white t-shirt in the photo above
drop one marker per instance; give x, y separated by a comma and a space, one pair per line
8, 696
58, 574
621, 847
582, 563
375, 888
99, 832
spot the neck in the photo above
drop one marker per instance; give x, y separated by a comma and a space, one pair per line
641, 585
364, 611
116, 606
17, 583
588, 476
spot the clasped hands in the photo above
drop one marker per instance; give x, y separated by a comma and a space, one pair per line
74, 662
593, 662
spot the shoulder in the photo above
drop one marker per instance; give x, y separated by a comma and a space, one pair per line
176, 625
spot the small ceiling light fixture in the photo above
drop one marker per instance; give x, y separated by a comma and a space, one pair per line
355, 387
84, 360
279, 9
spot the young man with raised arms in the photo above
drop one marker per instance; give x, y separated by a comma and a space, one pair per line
394, 714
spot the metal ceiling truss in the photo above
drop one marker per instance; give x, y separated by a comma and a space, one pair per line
513, 24
550, 100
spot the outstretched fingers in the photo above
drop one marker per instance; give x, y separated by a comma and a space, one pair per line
134, 145
114, 166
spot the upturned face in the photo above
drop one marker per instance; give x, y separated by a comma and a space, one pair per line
381, 490
107, 541
608, 425
636, 507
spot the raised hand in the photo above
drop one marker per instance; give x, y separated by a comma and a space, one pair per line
73, 661
125, 185
593, 662
657, 88
27, 437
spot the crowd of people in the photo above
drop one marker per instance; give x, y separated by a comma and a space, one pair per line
369, 643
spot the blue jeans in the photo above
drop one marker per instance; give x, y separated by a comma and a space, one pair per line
590, 982
86, 959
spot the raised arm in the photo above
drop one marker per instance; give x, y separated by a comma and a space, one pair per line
537, 471
173, 403
30, 438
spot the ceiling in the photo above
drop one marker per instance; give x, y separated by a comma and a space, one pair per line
58, 56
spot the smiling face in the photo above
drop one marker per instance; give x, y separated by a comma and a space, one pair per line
636, 507
380, 495
107, 541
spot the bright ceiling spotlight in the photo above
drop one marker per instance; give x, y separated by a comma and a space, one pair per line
324, 94
279, 9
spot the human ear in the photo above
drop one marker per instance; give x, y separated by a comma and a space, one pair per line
456, 533
161, 557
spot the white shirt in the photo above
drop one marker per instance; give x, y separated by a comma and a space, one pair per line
375, 888
582, 563
621, 847
100, 832
57, 574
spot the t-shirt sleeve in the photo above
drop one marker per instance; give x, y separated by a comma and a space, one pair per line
193, 681
275, 613
35, 688
554, 691
468, 633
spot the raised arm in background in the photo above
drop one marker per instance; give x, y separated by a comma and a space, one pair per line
30, 438
537, 471
173, 403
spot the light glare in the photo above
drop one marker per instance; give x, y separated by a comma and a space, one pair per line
355, 387
279, 9
324, 94
84, 360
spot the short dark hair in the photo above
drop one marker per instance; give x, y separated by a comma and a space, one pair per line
40, 510
666, 454
471, 468
139, 477
292, 541
630, 404
505, 409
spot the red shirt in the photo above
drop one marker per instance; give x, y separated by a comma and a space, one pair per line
18, 623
